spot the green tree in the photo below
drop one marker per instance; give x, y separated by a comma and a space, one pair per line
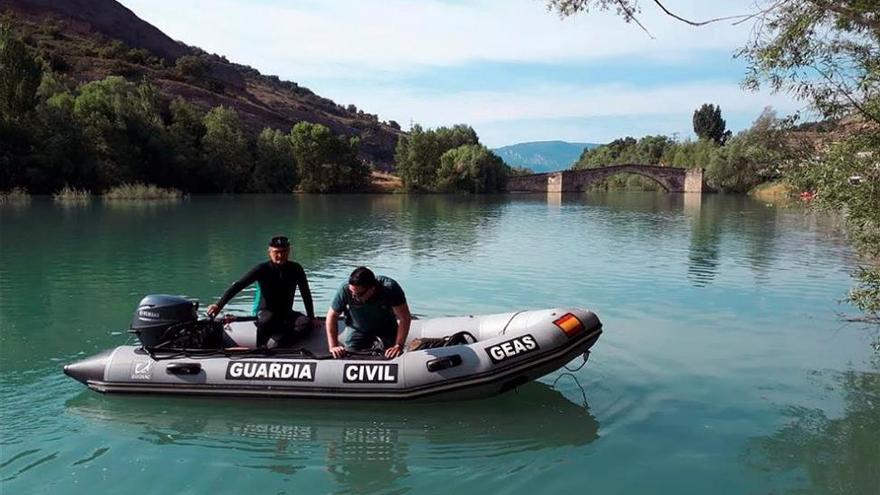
709, 125
417, 156
751, 157
275, 167
191, 67
186, 131
472, 168
327, 163
689, 154
122, 125
455, 136
62, 157
846, 178
20, 77
228, 159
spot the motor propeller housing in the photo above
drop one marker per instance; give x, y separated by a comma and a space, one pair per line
156, 315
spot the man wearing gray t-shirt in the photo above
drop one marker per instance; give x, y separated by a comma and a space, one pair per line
375, 307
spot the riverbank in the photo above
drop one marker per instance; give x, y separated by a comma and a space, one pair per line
773, 192
379, 183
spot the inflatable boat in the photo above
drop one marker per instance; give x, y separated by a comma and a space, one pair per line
454, 357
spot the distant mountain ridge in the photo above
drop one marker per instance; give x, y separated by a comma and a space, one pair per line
543, 156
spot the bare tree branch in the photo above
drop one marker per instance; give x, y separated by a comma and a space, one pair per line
632, 16
845, 91
742, 17
761, 13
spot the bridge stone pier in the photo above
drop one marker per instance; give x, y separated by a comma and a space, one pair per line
671, 179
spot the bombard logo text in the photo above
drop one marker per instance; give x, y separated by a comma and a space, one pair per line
271, 370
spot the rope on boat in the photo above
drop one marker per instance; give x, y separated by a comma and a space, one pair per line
586, 357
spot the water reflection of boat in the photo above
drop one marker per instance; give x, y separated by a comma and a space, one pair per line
535, 416
364, 446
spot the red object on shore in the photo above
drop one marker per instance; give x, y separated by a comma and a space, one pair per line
808, 195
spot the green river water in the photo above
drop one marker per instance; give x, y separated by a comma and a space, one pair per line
724, 367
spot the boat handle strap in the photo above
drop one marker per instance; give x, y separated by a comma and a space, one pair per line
183, 368
443, 363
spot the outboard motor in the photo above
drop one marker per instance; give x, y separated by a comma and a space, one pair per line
159, 317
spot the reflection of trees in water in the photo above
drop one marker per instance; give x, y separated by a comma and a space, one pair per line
758, 228
344, 229
438, 225
705, 242
330, 228
839, 455
754, 225
633, 201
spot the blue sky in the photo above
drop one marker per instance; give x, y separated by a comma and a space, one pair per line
509, 68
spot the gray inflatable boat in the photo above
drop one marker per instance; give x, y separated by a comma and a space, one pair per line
453, 358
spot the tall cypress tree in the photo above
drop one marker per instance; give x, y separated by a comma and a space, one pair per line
708, 124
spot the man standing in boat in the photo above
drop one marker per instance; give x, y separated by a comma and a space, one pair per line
278, 281
375, 307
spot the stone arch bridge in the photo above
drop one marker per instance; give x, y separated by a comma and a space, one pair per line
670, 178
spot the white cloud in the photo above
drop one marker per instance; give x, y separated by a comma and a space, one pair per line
311, 39
545, 103
362, 52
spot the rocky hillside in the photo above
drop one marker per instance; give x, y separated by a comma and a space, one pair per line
85, 40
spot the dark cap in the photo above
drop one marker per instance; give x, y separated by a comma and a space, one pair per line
280, 242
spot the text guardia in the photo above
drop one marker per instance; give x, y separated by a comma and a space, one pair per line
511, 348
271, 370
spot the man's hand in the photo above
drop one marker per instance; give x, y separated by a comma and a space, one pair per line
337, 352
213, 310
317, 323
393, 351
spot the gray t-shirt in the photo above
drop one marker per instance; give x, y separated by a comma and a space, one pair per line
375, 316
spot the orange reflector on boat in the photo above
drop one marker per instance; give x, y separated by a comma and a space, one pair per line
569, 323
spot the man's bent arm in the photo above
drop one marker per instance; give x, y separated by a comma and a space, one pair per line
332, 328
404, 318
247, 279
306, 294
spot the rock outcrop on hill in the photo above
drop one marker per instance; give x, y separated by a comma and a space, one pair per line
91, 39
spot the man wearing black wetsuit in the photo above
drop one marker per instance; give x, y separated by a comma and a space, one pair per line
278, 280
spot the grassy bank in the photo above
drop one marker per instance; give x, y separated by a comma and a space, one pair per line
138, 191
15, 195
72, 195
383, 182
774, 192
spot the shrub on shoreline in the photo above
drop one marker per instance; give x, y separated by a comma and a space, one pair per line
72, 195
16, 195
141, 191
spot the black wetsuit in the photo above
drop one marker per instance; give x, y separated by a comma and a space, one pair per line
278, 284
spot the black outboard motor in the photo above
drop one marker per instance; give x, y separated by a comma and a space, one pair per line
158, 317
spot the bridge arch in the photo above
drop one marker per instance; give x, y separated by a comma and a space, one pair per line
671, 179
